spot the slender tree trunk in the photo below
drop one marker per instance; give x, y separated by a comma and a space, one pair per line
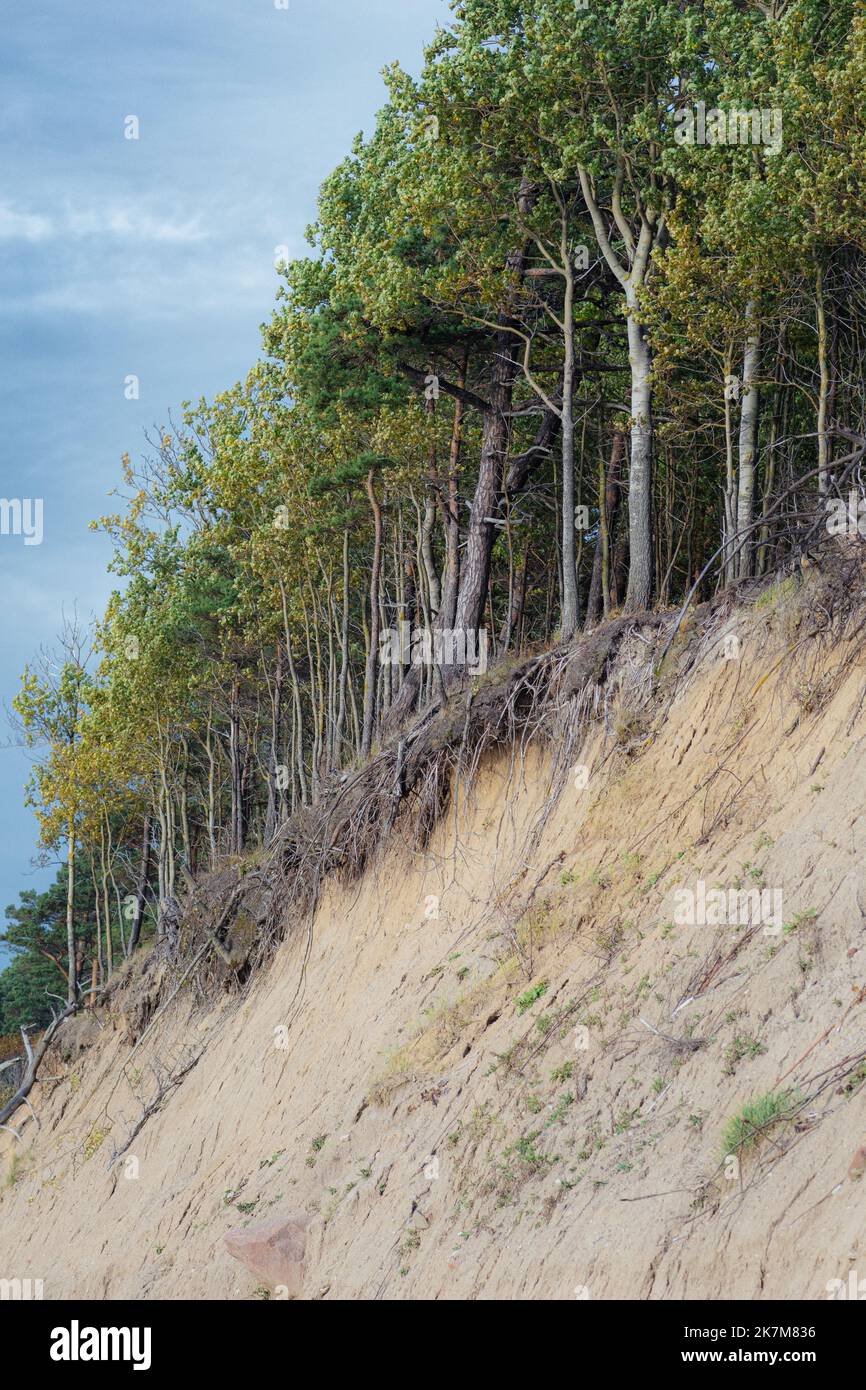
570, 615
103, 867
344, 658
824, 386
72, 990
275, 795
298, 718
426, 547
211, 792
639, 594
451, 514
236, 762
141, 885
481, 533
373, 653
598, 603
748, 446
632, 277
729, 499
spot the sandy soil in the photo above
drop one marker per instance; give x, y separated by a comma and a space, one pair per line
509, 1068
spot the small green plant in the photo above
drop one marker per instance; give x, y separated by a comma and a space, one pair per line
411, 1243
563, 1073
745, 1130
800, 919
525, 1150
316, 1148
561, 1110
531, 996
743, 1045
94, 1141
269, 1162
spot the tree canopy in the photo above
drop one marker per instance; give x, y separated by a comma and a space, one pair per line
579, 331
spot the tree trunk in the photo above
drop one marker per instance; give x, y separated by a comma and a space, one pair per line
72, 987
344, 658
640, 575
824, 388
275, 795
373, 653
569, 619
141, 885
475, 570
598, 603
236, 762
748, 447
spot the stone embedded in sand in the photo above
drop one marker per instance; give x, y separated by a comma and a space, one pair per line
858, 1164
274, 1250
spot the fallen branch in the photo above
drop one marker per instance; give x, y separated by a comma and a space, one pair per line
685, 1044
165, 1085
34, 1059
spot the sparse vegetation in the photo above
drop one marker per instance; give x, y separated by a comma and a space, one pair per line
531, 996
744, 1045
754, 1122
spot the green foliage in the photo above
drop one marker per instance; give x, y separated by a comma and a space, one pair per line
521, 214
36, 928
746, 1129
531, 996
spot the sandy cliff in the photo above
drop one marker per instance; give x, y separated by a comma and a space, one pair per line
504, 1067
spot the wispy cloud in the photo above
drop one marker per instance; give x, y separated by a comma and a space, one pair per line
22, 226
116, 222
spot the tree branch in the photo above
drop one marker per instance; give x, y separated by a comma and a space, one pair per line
460, 393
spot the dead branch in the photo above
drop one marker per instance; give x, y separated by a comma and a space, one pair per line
34, 1058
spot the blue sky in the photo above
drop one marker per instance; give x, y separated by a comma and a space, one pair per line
152, 257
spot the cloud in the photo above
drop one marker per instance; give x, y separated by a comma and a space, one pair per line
145, 285
115, 222
22, 226
130, 223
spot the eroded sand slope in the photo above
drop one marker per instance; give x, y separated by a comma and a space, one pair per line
509, 1068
